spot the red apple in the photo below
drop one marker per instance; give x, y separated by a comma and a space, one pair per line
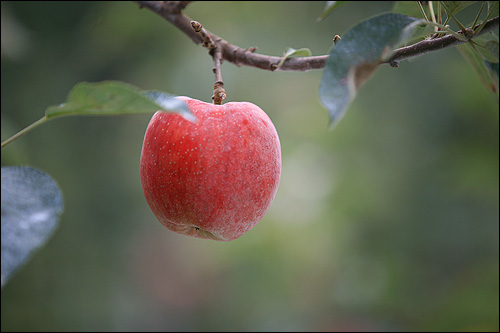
214, 178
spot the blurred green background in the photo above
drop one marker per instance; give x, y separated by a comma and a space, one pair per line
389, 222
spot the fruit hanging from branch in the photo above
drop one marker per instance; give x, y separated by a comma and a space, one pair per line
214, 178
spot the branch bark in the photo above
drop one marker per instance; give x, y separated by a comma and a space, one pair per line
172, 12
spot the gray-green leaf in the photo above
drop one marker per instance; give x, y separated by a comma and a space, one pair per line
31, 205
454, 7
487, 71
113, 98
355, 57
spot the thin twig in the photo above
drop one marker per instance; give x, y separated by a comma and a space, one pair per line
219, 94
207, 40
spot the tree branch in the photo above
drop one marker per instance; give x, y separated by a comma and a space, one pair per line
172, 12
169, 10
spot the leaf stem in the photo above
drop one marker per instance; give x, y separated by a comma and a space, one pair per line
439, 14
478, 14
24, 131
444, 28
490, 13
450, 14
431, 10
422, 11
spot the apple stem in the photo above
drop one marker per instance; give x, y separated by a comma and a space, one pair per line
216, 52
219, 92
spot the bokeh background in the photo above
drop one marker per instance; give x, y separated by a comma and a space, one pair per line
388, 222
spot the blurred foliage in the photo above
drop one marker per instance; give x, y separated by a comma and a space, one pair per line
31, 206
388, 222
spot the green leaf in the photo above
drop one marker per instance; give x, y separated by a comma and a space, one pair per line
487, 71
31, 205
114, 98
487, 45
487, 50
356, 56
494, 68
303, 52
492, 8
290, 52
410, 8
454, 7
330, 6
493, 50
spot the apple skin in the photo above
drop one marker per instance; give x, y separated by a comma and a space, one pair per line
214, 178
